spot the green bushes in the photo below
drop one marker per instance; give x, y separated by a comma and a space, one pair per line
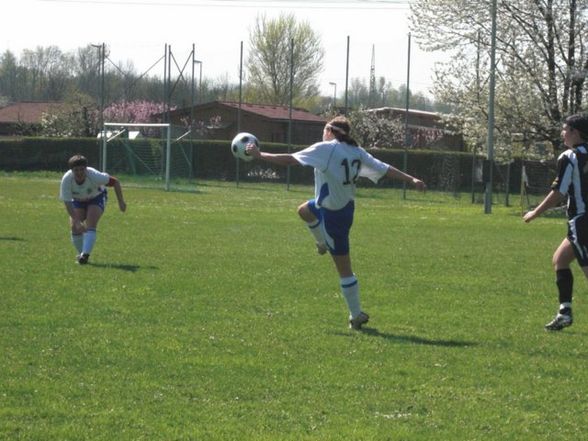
212, 159
28, 154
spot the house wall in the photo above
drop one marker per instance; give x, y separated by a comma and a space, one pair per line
265, 129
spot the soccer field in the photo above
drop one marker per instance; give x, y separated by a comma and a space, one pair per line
209, 316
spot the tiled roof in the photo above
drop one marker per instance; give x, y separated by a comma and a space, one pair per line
275, 112
26, 111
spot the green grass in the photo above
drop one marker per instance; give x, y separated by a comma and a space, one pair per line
208, 316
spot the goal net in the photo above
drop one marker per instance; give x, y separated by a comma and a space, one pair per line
153, 155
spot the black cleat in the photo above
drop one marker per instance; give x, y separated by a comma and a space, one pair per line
559, 322
83, 258
358, 321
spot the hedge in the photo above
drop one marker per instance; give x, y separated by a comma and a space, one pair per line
212, 159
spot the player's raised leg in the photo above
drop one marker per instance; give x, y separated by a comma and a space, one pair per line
311, 215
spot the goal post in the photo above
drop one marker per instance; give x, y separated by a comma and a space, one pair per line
151, 154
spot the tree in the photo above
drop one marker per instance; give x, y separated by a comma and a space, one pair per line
76, 116
49, 71
9, 76
541, 63
371, 129
268, 66
134, 111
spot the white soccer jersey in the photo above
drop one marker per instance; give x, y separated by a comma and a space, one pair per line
336, 168
89, 189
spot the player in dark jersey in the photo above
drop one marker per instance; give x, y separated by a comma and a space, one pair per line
571, 181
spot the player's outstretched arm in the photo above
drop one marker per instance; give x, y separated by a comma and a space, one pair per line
275, 158
550, 201
394, 173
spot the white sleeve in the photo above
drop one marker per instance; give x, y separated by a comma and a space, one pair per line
65, 193
372, 168
317, 155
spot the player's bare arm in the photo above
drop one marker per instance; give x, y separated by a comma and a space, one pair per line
550, 201
394, 173
275, 158
115, 183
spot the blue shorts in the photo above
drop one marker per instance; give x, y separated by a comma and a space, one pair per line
337, 224
99, 200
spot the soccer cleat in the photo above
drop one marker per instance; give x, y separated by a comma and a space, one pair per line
321, 248
358, 321
559, 322
83, 258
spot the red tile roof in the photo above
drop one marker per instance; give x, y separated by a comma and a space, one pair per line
272, 111
26, 111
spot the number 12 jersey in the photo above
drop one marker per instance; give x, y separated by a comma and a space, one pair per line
337, 166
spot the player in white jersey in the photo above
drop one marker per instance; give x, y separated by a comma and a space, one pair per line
84, 194
338, 162
571, 181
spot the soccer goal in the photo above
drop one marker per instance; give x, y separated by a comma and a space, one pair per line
150, 154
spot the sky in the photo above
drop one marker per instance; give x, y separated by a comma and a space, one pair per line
137, 30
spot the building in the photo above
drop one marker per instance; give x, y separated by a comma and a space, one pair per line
24, 118
269, 123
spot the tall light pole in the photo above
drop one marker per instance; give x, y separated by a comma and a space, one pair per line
199, 81
490, 140
334, 94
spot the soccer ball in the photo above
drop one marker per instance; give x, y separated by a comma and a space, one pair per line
240, 142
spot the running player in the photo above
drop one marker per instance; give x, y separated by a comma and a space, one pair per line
84, 195
571, 181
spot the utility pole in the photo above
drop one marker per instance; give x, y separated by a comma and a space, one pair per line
372, 91
490, 142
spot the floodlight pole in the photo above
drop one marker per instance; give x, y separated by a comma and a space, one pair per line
199, 81
101, 54
347, 79
192, 104
488, 192
239, 108
406, 135
291, 98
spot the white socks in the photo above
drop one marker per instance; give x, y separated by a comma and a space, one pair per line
350, 290
89, 240
317, 232
566, 307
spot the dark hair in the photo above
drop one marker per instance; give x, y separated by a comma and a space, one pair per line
77, 160
579, 121
340, 128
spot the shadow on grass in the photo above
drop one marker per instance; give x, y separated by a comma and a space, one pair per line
416, 339
13, 238
122, 266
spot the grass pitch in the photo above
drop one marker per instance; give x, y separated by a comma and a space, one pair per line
208, 316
